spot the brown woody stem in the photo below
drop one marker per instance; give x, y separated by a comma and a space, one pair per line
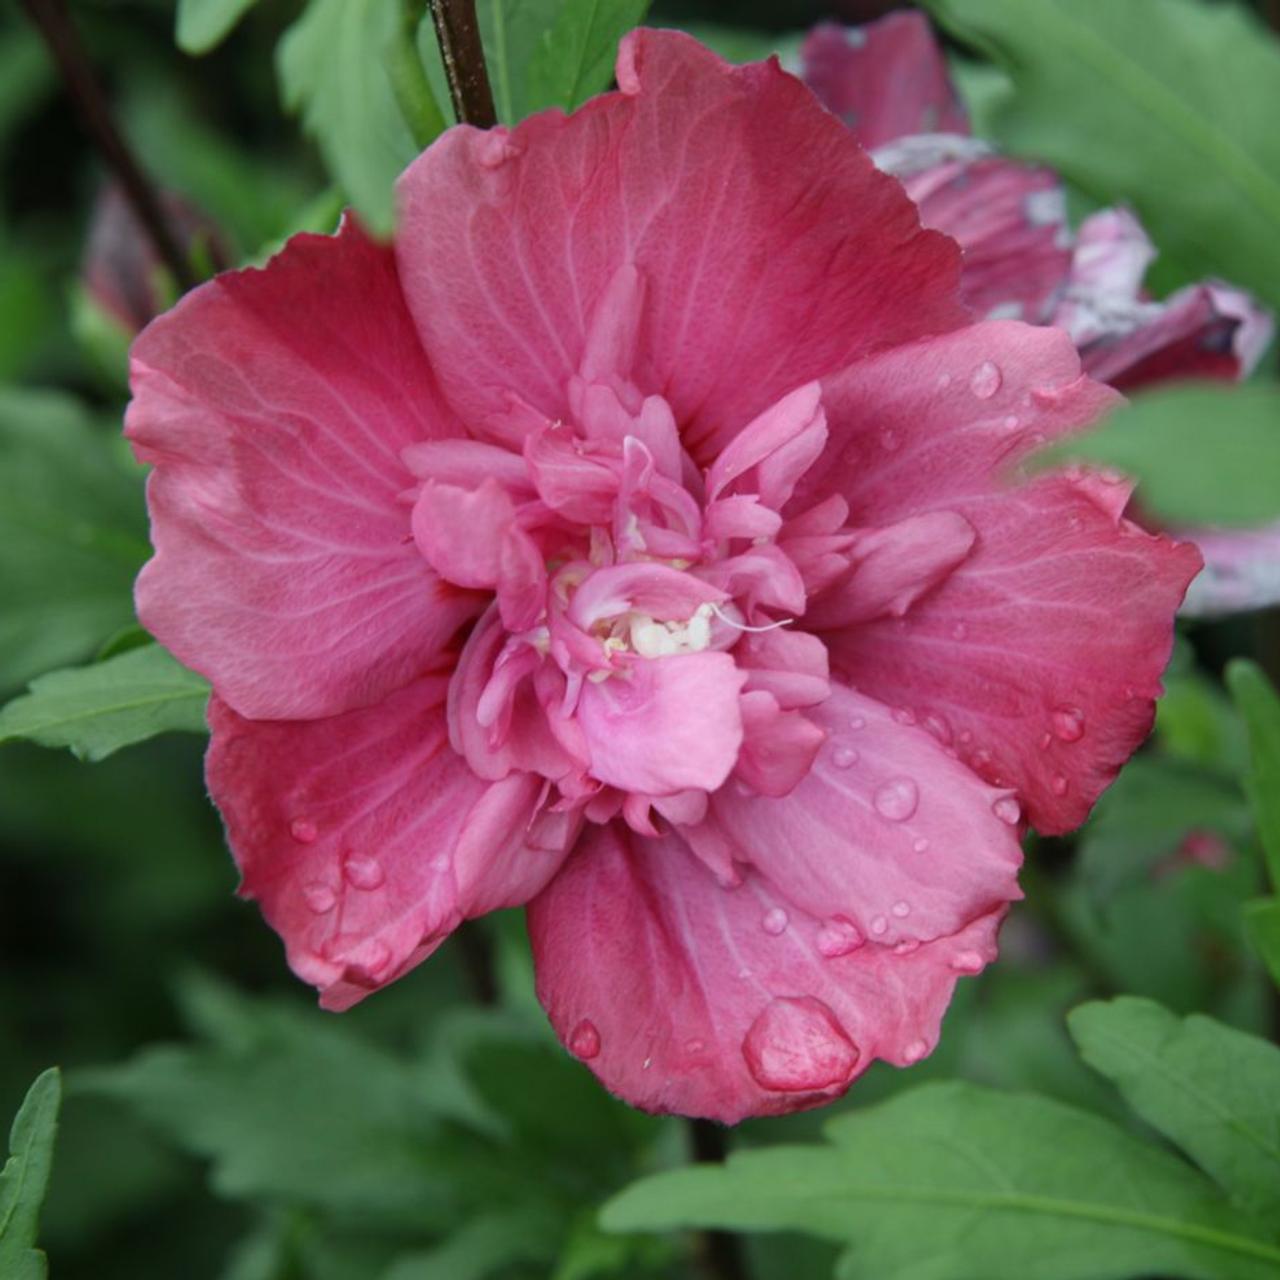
464, 66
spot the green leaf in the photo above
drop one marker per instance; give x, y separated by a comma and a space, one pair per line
72, 533
574, 59
289, 1107
1260, 707
953, 1181
204, 24
1262, 927
25, 1177
1168, 105
512, 31
98, 709
1188, 472
489, 1243
1146, 815
332, 68
1210, 1089
745, 44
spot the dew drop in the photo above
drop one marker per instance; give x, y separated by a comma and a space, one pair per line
966, 962
1007, 810
959, 631
878, 925
985, 380
857, 722
364, 873
318, 897
944, 381
1011, 423
904, 715
774, 921
889, 440
1058, 784
1068, 723
1045, 740
896, 799
915, 1051
303, 830
584, 1040
901, 909
906, 946
938, 726
838, 937
375, 957
796, 1045
694, 1046
844, 757
966, 737
921, 844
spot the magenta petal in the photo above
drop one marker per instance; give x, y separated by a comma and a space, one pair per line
1060, 614
284, 570
366, 840
662, 725
757, 276
884, 80
685, 996
460, 532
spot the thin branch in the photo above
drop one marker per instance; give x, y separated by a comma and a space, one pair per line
475, 950
51, 19
719, 1252
463, 56
409, 80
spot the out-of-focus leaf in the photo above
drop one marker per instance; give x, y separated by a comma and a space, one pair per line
1213, 1091
743, 44
952, 1181
290, 1107
487, 1244
1202, 453
575, 57
1146, 815
1262, 926
25, 1176
72, 534
1168, 105
512, 30
98, 709
25, 311
203, 24
26, 76
1196, 722
1260, 707
333, 73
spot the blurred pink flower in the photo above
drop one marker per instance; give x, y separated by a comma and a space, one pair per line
888, 81
632, 540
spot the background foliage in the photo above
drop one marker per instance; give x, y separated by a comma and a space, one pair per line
1104, 1102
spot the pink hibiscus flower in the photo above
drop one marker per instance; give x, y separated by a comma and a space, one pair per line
633, 541
888, 81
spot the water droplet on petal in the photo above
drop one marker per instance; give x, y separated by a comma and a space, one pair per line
318, 897
896, 799
1068, 723
889, 439
364, 873
966, 737
904, 715
857, 722
906, 946
901, 909
944, 381
844, 757
584, 1040
1045, 740
985, 380
878, 925
937, 726
303, 830
838, 937
1058, 784
959, 631
921, 844
336, 948
774, 921
440, 863
796, 1045
1007, 810
915, 1051
1012, 423
694, 1046
375, 957
967, 962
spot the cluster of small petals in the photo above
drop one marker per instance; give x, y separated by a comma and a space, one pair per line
633, 540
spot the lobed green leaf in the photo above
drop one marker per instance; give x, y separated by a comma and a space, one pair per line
25, 1178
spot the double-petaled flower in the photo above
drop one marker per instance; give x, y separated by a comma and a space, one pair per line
634, 540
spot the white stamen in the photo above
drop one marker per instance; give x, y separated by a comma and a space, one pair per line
742, 626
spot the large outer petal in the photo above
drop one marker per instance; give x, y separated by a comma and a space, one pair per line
366, 839
885, 80
769, 249
687, 997
1039, 658
886, 831
274, 405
